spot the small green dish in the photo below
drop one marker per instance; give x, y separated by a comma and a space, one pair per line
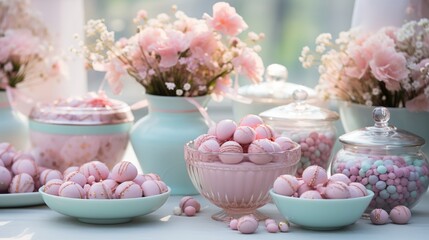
321, 214
104, 211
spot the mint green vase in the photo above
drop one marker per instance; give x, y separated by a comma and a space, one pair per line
13, 125
158, 139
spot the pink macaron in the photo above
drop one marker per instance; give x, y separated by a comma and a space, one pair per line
98, 169
400, 214
21, 183
259, 151
99, 190
25, 165
5, 179
76, 177
49, 174
231, 152
225, 129
251, 120
314, 175
264, 131
244, 135
202, 138
53, 186
128, 189
247, 224
71, 190
337, 190
124, 171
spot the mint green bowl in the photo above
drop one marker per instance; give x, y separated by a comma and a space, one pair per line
321, 214
104, 211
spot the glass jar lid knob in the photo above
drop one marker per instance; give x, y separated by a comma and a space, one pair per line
276, 73
381, 116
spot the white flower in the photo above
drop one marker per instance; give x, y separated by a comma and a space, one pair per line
187, 86
170, 85
179, 92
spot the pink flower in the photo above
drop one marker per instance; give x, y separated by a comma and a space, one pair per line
389, 66
114, 72
359, 61
203, 44
148, 37
170, 47
226, 20
250, 64
419, 103
222, 85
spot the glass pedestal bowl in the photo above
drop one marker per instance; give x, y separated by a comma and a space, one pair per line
239, 189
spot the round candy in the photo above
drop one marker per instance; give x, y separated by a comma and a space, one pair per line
337, 190
112, 184
285, 143
264, 131
128, 189
251, 120
190, 211
261, 148
152, 176
284, 226
49, 174
268, 221
209, 146
152, 187
400, 214
311, 194
202, 138
314, 175
76, 177
189, 201
21, 183
177, 211
70, 169
244, 135
339, 177
100, 190
5, 179
272, 228
285, 185
357, 190
99, 170
71, 190
233, 224
247, 224
124, 171
53, 186
225, 129
379, 216
232, 152
25, 165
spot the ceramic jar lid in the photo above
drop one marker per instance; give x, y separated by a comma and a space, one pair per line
381, 135
299, 113
93, 109
274, 88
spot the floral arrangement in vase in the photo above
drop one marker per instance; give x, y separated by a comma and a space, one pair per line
27, 56
389, 67
177, 55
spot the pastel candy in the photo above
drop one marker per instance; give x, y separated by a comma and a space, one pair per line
209, 146
100, 190
190, 211
152, 176
124, 171
247, 224
5, 179
337, 190
139, 179
71, 190
284, 226
112, 184
233, 224
202, 138
400, 214
153, 187
99, 170
70, 169
76, 177
49, 174
357, 190
311, 194
264, 131
314, 175
268, 221
285, 143
272, 228
339, 177
261, 146
53, 186
189, 201
225, 129
251, 120
244, 135
128, 189
230, 152
285, 185
21, 183
379, 216
25, 165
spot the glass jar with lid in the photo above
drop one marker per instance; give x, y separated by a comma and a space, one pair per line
387, 160
272, 92
70, 132
310, 126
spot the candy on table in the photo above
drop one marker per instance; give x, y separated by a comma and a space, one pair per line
379, 216
284, 226
233, 224
400, 214
189, 205
247, 224
272, 227
395, 180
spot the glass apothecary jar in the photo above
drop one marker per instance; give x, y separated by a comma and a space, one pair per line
387, 160
310, 126
73, 131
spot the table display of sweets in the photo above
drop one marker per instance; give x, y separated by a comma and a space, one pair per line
74, 131
387, 160
310, 126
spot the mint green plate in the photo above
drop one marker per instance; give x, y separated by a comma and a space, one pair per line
20, 199
321, 214
104, 211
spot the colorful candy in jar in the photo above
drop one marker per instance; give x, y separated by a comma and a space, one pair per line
385, 160
310, 126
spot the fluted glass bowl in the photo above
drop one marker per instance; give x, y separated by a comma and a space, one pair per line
239, 189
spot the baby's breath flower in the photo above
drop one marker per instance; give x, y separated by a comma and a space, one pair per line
179, 92
170, 85
186, 86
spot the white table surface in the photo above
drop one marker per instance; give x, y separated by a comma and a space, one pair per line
39, 222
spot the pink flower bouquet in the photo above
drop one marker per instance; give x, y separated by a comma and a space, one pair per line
386, 68
177, 55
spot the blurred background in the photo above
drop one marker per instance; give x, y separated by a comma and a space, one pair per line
288, 25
